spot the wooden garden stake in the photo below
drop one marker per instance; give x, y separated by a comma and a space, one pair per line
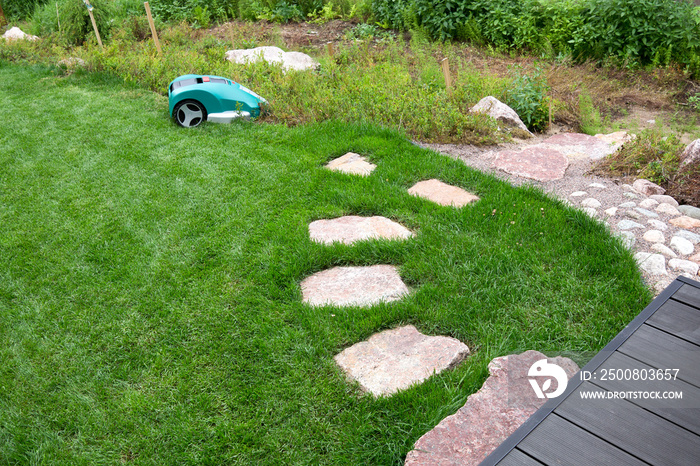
58, 18
448, 78
329, 46
94, 24
3, 20
153, 27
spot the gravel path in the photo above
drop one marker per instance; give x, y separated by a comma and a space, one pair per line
597, 195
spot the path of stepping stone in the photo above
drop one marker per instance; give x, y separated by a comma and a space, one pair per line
352, 228
442, 193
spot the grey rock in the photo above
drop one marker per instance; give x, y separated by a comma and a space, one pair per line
682, 246
352, 228
442, 193
663, 250
654, 264
499, 111
630, 195
578, 194
395, 359
664, 199
683, 266
628, 225
667, 209
648, 203
647, 188
628, 205
690, 154
689, 210
16, 33
503, 403
628, 238
611, 211
657, 224
646, 212
353, 286
597, 186
590, 211
692, 237
633, 214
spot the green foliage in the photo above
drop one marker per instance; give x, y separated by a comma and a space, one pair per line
367, 31
528, 97
591, 123
76, 26
21, 9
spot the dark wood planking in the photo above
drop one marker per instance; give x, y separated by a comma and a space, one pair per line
558, 441
685, 412
631, 428
688, 294
518, 458
664, 351
679, 319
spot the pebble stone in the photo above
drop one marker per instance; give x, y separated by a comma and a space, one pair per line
657, 224
578, 193
667, 209
597, 185
647, 213
663, 250
654, 264
628, 225
591, 202
664, 199
590, 211
683, 266
654, 236
631, 195
628, 205
690, 211
648, 203
633, 214
692, 237
611, 211
628, 238
682, 246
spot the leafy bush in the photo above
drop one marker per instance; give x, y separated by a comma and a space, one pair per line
528, 97
76, 26
21, 9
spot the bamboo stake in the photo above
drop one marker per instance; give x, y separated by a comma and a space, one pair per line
153, 27
329, 46
58, 17
94, 26
448, 78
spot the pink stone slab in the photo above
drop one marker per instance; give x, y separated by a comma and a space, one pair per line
503, 403
442, 193
576, 145
395, 359
353, 286
352, 164
352, 228
538, 162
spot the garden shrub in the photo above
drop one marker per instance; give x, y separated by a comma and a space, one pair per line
21, 9
528, 97
76, 26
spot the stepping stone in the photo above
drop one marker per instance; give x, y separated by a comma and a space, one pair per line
395, 359
353, 286
577, 146
352, 228
352, 164
538, 162
503, 403
442, 193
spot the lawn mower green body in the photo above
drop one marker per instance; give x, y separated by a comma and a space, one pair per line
196, 98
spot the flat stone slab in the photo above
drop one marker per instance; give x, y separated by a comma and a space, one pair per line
537, 162
577, 146
352, 164
352, 228
503, 403
395, 359
353, 286
442, 193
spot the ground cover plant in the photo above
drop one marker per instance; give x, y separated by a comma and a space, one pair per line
150, 309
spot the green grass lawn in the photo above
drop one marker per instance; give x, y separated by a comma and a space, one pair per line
150, 307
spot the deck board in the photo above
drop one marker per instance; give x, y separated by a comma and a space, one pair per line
626, 428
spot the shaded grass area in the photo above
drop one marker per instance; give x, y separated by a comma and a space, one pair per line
150, 308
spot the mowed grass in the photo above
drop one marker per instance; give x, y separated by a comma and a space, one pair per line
150, 303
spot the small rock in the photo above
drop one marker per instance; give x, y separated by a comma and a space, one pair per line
591, 202
351, 228
578, 194
685, 222
664, 199
647, 188
393, 360
692, 237
590, 211
351, 164
353, 286
628, 187
616, 139
682, 266
628, 238
630, 195
667, 209
682, 246
627, 205
657, 224
289, 60
633, 214
442, 193
654, 236
597, 185
663, 250
16, 33
648, 203
654, 264
628, 225
500, 112
646, 212
611, 211
690, 154
689, 210
695, 258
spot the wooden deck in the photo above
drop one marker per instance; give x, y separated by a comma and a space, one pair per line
629, 429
